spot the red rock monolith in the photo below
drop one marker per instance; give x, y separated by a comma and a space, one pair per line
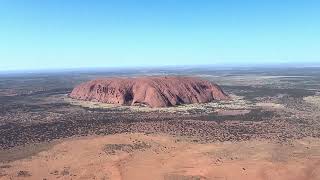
149, 91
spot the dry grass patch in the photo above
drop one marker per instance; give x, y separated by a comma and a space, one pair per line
315, 100
128, 148
270, 105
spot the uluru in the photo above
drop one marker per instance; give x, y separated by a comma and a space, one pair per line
149, 91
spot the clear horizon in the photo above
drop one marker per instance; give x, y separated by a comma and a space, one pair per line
38, 35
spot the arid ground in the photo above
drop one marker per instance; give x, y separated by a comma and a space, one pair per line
140, 156
270, 129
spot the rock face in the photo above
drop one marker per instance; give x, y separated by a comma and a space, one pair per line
149, 91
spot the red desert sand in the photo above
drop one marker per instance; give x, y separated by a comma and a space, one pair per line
149, 91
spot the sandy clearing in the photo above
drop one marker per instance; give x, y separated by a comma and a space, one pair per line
170, 158
315, 100
270, 105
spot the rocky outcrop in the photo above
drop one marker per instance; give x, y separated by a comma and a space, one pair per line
149, 91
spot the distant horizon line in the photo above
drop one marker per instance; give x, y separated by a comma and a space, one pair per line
217, 66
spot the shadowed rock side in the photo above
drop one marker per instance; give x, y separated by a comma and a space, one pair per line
149, 91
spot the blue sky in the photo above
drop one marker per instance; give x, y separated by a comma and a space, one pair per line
50, 34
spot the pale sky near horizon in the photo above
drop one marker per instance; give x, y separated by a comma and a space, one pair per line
51, 34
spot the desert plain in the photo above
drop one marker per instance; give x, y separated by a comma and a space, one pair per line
268, 129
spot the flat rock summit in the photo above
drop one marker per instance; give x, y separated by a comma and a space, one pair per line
149, 91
